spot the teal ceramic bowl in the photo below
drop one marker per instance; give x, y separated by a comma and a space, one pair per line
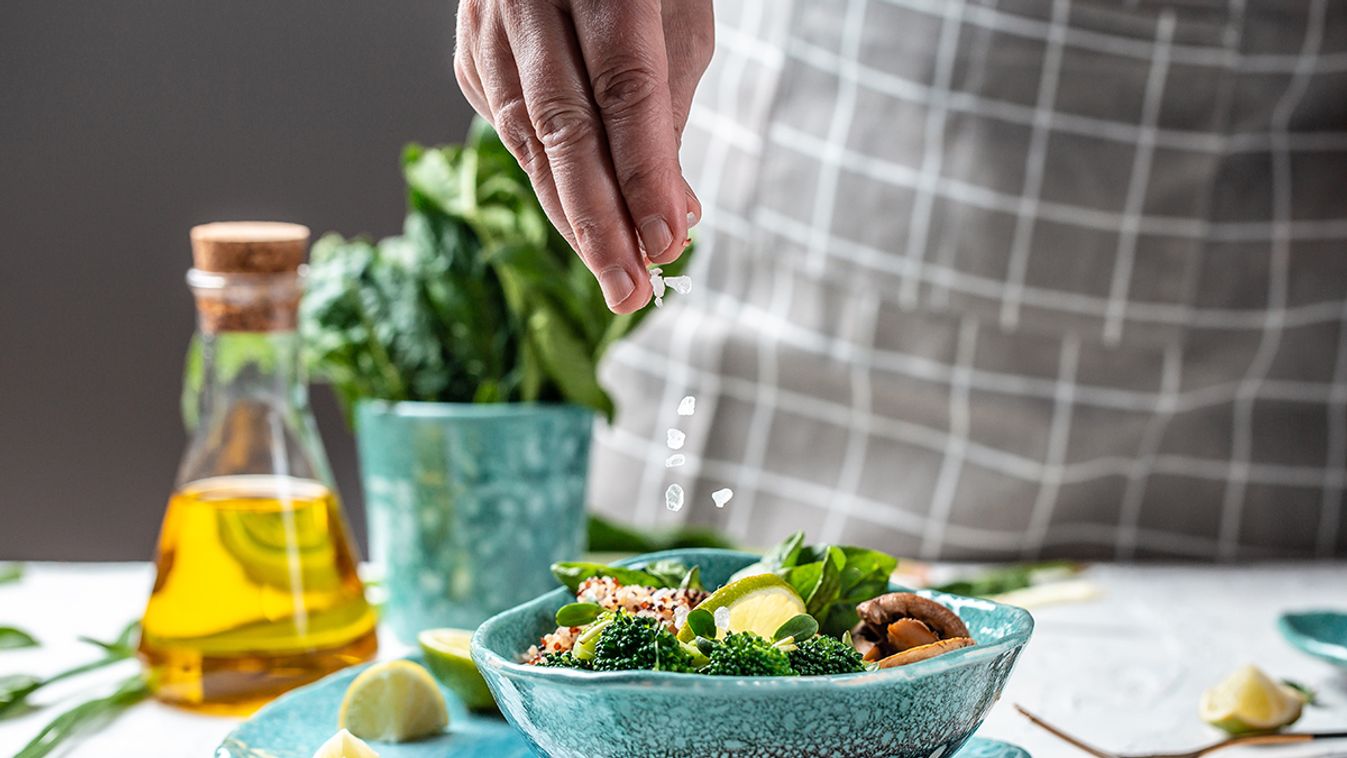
1322, 634
924, 709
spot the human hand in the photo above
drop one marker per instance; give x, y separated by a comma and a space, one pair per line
591, 96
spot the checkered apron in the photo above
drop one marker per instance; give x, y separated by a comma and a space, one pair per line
1008, 279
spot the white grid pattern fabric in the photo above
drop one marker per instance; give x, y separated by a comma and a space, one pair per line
991, 279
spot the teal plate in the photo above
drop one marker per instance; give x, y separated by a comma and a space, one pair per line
297, 723
1322, 634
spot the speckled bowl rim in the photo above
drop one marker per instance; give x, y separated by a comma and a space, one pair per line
1020, 621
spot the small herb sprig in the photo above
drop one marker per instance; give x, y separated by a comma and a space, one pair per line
16, 689
127, 694
12, 637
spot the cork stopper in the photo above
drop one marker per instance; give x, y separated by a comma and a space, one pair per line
249, 247
248, 275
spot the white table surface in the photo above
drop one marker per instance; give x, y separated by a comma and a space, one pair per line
1123, 670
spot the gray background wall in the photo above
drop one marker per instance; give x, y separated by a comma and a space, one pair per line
123, 124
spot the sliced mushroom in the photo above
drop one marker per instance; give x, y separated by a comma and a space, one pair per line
899, 622
925, 652
909, 633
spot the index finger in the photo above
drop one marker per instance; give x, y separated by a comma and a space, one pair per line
624, 52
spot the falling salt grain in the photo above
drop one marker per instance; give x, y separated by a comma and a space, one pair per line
687, 406
722, 617
680, 284
677, 459
721, 497
675, 439
657, 284
673, 498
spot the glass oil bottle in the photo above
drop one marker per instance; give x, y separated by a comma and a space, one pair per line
256, 590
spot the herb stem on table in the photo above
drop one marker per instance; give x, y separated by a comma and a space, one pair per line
128, 693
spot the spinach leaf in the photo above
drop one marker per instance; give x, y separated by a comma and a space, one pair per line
831, 579
607, 536
10, 572
573, 573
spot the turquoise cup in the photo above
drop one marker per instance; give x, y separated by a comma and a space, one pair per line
469, 504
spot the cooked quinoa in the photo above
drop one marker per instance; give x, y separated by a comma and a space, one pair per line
610, 594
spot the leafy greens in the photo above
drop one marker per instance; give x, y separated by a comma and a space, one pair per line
831, 579
479, 299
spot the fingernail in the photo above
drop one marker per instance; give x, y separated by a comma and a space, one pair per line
616, 284
692, 219
655, 235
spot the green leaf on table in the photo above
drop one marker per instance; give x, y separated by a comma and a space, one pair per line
85, 715
123, 646
12, 638
14, 691
10, 572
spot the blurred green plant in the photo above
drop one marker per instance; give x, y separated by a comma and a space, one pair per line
479, 300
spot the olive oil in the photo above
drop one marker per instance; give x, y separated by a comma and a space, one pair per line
257, 592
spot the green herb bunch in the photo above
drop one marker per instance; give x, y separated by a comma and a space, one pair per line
479, 300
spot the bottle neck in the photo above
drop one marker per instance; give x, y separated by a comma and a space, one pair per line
255, 367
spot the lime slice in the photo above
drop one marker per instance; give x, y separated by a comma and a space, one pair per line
449, 660
343, 744
759, 604
393, 701
1248, 701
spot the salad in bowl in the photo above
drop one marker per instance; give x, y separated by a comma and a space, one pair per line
808, 650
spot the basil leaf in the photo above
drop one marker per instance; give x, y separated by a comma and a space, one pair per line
578, 614
702, 623
798, 628
12, 638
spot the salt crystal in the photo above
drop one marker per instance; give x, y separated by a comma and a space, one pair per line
675, 439
657, 282
722, 616
680, 284
677, 459
680, 616
659, 302
687, 406
673, 498
721, 497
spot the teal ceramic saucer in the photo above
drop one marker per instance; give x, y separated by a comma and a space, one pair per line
1322, 634
297, 723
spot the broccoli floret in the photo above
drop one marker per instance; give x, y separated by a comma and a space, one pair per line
822, 655
562, 660
747, 654
636, 642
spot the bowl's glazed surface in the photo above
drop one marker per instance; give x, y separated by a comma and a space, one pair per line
923, 709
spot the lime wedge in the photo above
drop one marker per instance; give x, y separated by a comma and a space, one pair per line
393, 701
449, 660
1248, 701
343, 744
758, 604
